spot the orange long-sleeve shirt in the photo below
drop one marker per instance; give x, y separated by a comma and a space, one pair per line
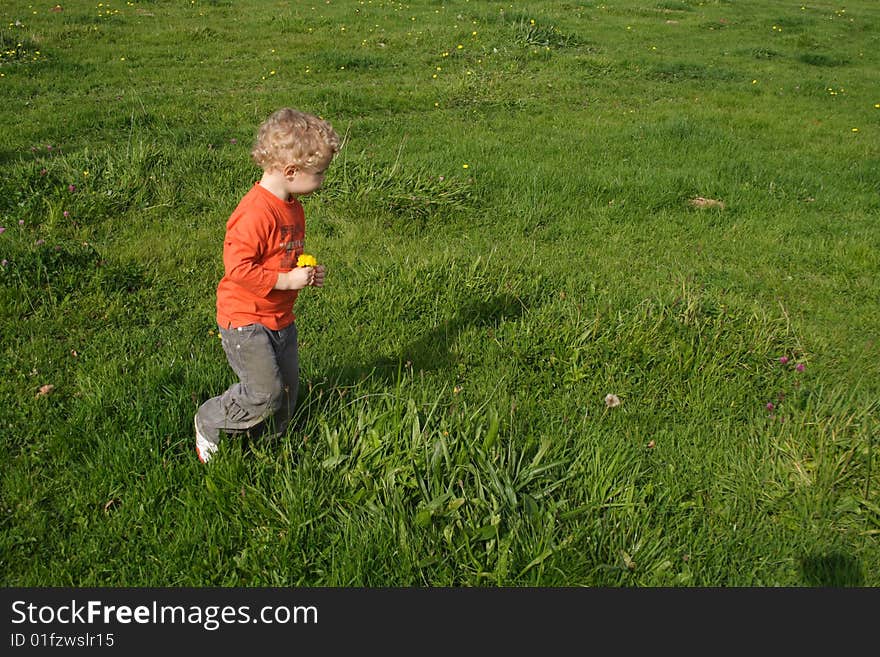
264, 236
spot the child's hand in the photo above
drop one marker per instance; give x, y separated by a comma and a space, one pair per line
318, 274
295, 279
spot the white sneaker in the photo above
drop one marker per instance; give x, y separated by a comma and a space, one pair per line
204, 448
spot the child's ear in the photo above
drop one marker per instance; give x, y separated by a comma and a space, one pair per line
290, 171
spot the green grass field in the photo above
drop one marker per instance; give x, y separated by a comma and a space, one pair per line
510, 235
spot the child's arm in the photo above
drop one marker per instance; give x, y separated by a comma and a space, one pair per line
243, 247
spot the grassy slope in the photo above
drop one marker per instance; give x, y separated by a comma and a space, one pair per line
453, 429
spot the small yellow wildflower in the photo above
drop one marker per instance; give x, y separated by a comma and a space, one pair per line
306, 260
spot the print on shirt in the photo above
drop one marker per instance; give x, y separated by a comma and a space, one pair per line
290, 246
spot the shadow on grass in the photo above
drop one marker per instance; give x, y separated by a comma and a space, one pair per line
430, 352
833, 570
9, 157
433, 351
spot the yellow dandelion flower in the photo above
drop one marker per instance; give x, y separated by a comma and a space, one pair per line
306, 260
465, 166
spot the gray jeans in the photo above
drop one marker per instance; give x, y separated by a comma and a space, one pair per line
267, 365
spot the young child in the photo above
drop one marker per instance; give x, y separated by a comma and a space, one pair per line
255, 298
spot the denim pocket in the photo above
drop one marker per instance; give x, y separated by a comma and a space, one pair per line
235, 339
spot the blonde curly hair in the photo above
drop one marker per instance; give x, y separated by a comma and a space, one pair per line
289, 136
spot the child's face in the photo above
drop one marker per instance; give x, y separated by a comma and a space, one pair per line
305, 182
